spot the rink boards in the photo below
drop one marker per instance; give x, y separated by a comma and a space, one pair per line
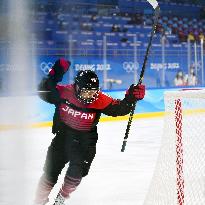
37, 113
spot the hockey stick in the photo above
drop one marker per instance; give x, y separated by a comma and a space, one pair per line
155, 5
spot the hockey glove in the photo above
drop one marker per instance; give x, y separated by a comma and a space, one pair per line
135, 93
59, 68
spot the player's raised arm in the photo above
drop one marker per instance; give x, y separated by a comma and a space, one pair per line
47, 88
123, 107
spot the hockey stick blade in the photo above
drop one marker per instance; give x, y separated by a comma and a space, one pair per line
154, 3
156, 7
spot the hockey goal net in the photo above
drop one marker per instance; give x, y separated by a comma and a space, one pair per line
179, 176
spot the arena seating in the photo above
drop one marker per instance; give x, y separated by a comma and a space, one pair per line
52, 27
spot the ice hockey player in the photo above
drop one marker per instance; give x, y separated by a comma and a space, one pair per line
78, 107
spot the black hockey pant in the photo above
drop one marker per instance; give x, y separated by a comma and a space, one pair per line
68, 146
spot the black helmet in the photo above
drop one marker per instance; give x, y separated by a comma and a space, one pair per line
87, 81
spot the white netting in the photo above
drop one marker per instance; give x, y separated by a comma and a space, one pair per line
179, 177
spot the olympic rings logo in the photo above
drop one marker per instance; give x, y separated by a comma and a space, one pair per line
45, 67
130, 66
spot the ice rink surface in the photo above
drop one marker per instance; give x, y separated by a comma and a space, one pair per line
115, 178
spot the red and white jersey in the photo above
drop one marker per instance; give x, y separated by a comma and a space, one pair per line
75, 113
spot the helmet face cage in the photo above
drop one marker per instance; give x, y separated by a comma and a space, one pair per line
87, 86
88, 95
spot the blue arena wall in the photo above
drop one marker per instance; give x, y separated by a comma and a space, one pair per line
40, 113
152, 103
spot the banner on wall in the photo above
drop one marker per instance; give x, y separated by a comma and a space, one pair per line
118, 68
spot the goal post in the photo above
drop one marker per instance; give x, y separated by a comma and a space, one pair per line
179, 176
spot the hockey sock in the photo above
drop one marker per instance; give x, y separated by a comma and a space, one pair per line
43, 190
70, 184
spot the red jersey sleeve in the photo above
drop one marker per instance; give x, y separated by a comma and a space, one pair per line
115, 107
110, 106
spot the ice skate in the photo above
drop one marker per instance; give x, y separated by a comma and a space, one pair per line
59, 200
